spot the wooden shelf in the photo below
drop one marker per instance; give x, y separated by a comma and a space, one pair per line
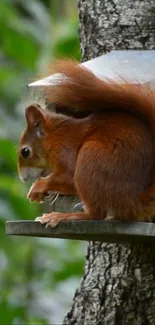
105, 231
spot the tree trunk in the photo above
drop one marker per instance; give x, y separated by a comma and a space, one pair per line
118, 287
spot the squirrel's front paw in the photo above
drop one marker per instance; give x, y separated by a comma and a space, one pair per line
38, 191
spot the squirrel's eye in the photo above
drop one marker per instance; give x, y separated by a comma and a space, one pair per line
25, 152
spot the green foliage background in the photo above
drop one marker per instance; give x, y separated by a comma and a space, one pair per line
37, 276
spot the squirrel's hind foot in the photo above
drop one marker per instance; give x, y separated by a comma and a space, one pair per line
52, 219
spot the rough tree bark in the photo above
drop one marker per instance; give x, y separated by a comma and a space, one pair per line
118, 287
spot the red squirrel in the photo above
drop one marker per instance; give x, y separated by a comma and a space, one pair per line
107, 158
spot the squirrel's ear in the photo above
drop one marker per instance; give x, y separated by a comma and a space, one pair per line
34, 115
36, 119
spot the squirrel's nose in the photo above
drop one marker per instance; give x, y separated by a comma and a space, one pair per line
25, 152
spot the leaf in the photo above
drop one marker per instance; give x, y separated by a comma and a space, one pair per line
8, 153
20, 47
38, 12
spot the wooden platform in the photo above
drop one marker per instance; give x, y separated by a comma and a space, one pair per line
105, 231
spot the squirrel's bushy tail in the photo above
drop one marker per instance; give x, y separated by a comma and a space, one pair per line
79, 89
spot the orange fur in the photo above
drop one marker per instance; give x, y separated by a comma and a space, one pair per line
107, 158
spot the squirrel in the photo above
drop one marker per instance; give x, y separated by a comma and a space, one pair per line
106, 157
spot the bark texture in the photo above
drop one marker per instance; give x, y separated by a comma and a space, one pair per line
118, 286
115, 24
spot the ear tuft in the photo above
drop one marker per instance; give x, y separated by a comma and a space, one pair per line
34, 114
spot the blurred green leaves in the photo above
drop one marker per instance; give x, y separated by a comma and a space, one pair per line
7, 151
31, 36
37, 276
